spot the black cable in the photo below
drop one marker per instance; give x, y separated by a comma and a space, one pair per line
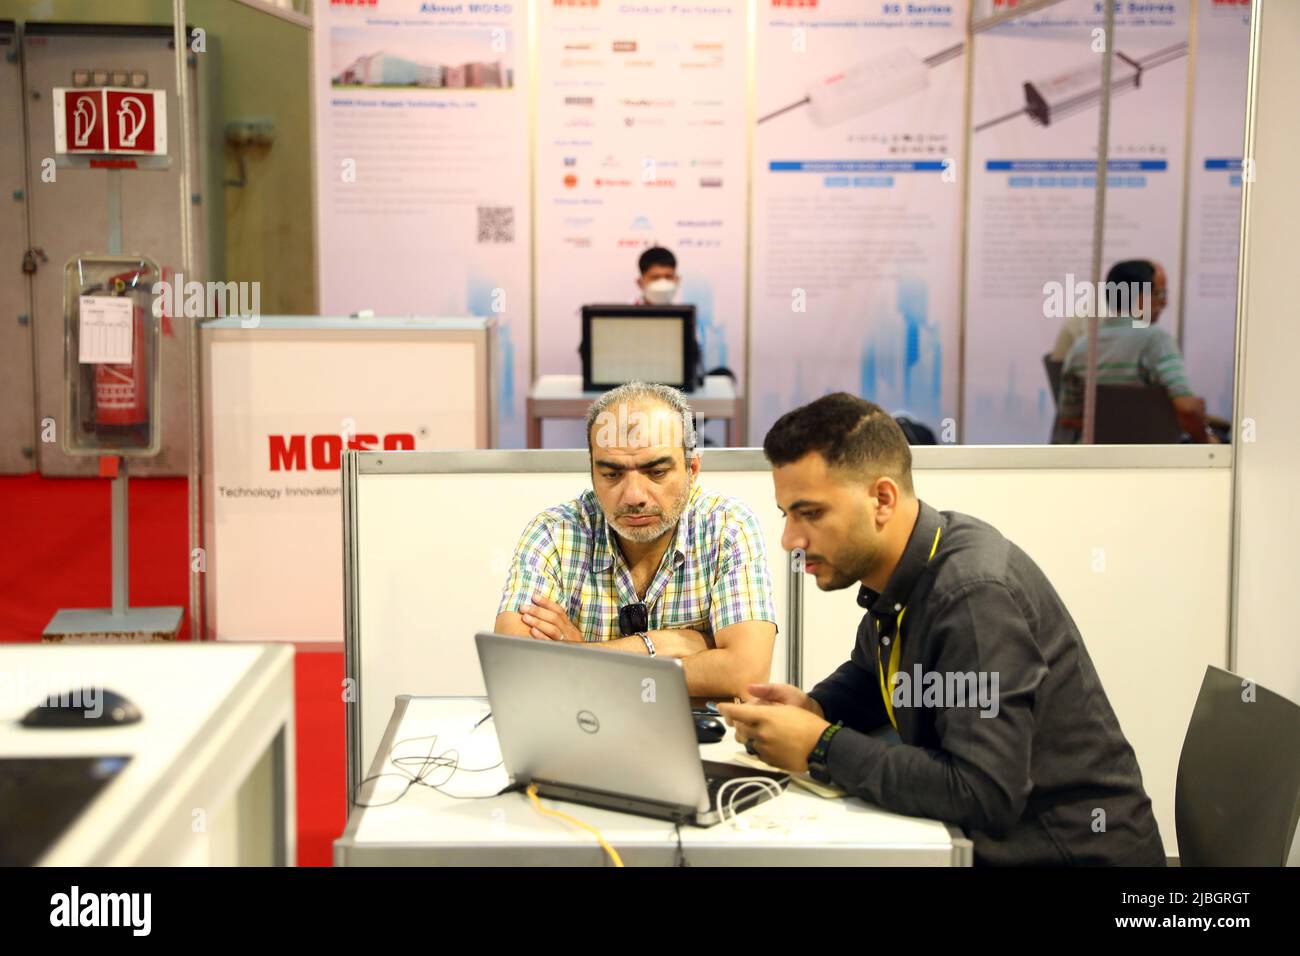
785, 109
681, 853
1000, 119
1161, 57
427, 764
943, 56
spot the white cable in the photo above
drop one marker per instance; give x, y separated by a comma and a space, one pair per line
727, 811
736, 795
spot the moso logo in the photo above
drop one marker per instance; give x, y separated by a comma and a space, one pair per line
290, 452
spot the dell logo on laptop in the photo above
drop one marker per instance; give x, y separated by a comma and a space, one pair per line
588, 722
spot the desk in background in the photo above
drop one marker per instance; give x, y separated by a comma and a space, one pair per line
427, 828
561, 396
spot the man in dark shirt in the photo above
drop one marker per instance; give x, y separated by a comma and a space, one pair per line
1002, 724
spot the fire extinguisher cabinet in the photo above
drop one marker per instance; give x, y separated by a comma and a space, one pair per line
112, 341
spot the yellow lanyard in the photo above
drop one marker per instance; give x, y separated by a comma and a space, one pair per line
895, 652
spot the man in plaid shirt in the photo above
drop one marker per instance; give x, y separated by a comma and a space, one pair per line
647, 562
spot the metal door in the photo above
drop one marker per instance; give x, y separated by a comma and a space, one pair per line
18, 426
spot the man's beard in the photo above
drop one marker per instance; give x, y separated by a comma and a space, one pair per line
651, 532
849, 567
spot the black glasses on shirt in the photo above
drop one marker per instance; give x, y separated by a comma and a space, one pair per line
633, 619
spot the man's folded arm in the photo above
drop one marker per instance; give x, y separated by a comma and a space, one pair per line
511, 623
534, 571
742, 655
979, 776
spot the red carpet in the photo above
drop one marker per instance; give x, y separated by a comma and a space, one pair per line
57, 531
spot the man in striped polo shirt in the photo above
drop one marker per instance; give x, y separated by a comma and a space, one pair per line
646, 561
1132, 351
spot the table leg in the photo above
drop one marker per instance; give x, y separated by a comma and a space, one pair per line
534, 439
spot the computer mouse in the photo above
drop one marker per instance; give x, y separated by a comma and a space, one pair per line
91, 707
709, 730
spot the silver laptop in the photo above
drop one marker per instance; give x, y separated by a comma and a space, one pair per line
606, 729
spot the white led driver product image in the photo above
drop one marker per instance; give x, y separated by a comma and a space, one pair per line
867, 85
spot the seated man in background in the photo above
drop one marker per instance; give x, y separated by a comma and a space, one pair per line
647, 562
1130, 270
659, 281
1131, 351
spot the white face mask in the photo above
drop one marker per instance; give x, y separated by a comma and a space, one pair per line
660, 292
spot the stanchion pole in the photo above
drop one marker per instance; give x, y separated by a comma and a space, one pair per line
794, 619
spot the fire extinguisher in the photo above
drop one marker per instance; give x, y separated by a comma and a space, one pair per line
122, 391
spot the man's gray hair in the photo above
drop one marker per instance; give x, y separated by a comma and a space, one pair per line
637, 393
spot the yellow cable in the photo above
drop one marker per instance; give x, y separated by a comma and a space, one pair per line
537, 804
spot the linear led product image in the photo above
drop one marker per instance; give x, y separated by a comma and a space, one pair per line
1067, 92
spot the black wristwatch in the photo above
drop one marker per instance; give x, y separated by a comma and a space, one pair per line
817, 759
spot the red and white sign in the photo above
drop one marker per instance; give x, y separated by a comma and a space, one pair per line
110, 120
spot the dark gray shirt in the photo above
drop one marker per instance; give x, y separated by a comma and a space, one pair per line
1038, 772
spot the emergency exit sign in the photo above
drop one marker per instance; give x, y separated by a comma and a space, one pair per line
108, 119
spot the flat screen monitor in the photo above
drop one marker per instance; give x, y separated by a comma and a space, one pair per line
646, 343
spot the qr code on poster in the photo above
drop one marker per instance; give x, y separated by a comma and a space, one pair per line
496, 223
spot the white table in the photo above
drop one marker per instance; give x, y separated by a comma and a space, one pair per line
211, 774
561, 396
425, 827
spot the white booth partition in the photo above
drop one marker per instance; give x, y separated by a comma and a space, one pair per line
283, 397
1267, 407
1135, 539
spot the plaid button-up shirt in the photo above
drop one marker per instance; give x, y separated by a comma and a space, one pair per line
713, 575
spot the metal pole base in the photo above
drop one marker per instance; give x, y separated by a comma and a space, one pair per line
102, 626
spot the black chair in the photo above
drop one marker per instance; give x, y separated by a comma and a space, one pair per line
916, 433
1237, 798
1059, 434
1053, 368
1135, 415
